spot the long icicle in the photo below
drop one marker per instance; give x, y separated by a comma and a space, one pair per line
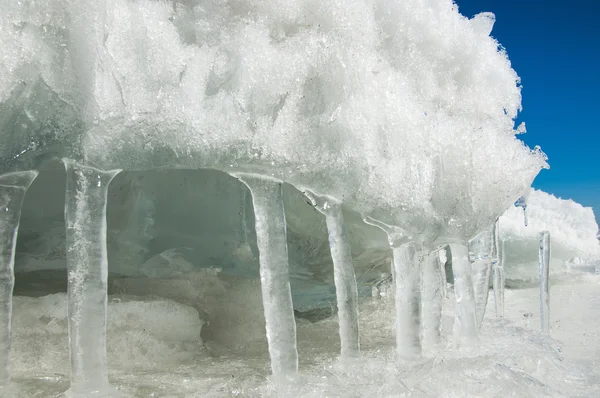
344, 277
406, 267
432, 283
464, 293
13, 187
267, 197
482, 248
544, 283
498, 269
408, 300
87, 266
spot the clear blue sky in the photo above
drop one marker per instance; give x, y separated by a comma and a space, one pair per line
555, 48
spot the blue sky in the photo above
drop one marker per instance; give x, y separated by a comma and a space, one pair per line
555, 48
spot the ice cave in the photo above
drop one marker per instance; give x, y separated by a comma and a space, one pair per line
286, 198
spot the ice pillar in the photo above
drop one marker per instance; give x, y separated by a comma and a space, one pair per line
544, 286
87, 266
12, 192
267, 198
407, 283
432, 297
498, 269
482, 269
408, 300
464, 293
482, 248
343, 273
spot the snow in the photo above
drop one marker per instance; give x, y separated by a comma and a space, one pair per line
154, 347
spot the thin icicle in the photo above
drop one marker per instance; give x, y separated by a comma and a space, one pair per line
344, 277
267, 197
408, 300
498, 269
482, 270
407, 283
432, 283
87, 266
544, 283
12, 192
481, 248
464, 293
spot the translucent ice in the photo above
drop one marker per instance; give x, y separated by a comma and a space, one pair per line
12, 192
87, 267
274, 272
544, 282
417, 132
344, 277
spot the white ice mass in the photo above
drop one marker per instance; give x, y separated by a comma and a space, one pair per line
249, 177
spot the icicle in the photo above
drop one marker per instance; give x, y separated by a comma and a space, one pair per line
498, 268
407, 285
482, 270
464, 293
267, 197
12, 192
482, 248
432, 283
87, 266
344, 277
522, 202
544, 285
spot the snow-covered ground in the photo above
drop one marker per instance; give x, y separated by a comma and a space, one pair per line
156, 349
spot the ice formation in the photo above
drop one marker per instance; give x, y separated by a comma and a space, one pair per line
544, 282
402, 112
572, 228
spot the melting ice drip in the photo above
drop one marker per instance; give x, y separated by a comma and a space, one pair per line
271, 92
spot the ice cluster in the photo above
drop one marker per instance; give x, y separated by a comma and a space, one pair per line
400, 114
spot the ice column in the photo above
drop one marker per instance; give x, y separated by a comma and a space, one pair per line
432, 283
87, 266
269, 215
498, 268
464, 293
12, 192
408, 294
544, 286
344, 278
482, 268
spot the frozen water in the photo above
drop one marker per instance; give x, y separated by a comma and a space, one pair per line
417, 132
573, 229
87, 267
345, 279
544, 282
12, 192
267, 197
